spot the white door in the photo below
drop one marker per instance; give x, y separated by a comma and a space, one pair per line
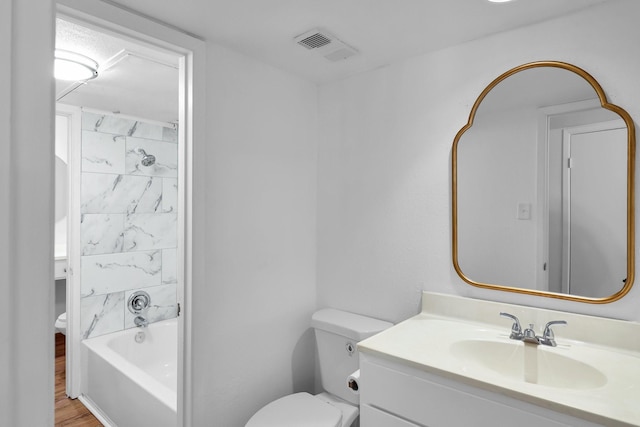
594, 224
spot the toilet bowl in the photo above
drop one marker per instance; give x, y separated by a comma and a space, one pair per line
61, 324
337, 333
305, 410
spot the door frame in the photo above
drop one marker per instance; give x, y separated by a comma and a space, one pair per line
72, 353
123, 22
567, 134
545, 115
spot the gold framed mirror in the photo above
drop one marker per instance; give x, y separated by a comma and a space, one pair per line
543, 187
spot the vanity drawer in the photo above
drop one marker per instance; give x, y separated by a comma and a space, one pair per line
430, 400
372, 417
60, 269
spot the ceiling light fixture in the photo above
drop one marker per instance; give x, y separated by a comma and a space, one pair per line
72, 66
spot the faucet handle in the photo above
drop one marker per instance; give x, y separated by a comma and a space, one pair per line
530, 331
516, 329
548, 337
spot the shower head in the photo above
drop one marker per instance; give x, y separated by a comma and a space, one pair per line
147, 159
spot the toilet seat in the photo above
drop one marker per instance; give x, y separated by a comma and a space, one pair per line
61, 323
297, 410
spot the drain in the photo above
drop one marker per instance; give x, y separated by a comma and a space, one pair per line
140, 337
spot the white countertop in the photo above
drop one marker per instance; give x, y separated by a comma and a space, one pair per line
59, 252
425, 342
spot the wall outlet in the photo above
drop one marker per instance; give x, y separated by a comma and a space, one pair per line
524, 210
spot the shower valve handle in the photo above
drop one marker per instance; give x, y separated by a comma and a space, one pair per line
138, 302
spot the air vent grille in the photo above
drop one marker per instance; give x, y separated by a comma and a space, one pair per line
323, 43
315, 41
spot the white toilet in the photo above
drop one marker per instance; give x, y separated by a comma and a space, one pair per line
61, 323
337, 333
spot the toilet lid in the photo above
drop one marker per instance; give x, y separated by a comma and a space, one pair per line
297, 410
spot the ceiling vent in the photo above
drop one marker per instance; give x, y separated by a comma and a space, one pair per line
323, 43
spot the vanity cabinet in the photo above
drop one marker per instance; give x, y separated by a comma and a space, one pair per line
370, 416
397, 395
60, 269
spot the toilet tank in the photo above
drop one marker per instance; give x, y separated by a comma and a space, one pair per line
337, 333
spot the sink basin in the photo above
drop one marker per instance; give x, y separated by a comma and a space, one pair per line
530, 363
593, 373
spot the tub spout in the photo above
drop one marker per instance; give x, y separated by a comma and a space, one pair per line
140, 322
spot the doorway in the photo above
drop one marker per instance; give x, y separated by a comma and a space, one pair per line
133, 132
583, 177
594, 227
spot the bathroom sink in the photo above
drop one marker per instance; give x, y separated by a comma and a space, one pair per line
535, 364
593, 373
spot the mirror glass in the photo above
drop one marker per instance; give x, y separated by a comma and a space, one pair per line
542, 187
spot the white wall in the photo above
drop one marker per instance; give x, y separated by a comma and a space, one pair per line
251, 342
496, 172
6, 413
26, 213
384, 227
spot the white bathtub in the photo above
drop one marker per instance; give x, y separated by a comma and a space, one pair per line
130, 383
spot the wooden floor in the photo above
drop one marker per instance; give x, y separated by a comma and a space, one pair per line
69, 412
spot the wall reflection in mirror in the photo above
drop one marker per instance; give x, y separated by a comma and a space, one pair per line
543, 187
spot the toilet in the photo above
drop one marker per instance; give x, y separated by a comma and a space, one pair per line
337, 333
61, 323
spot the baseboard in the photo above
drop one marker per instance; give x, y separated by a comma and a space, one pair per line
96, 411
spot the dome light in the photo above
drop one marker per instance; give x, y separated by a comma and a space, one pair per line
71, 66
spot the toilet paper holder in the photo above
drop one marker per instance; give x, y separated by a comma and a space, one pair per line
352, 382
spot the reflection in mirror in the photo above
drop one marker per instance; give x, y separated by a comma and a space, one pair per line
543, 187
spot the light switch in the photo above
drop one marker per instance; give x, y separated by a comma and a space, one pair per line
524, 210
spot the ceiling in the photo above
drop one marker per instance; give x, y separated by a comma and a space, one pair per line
132, 79
383, 31
139, 81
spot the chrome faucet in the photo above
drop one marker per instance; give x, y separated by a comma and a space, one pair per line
138, 304
140, 322
548, 338
516, 329
529, 334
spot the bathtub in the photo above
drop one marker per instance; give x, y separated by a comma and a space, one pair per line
127, 383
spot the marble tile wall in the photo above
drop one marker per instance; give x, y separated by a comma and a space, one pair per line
128, 231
